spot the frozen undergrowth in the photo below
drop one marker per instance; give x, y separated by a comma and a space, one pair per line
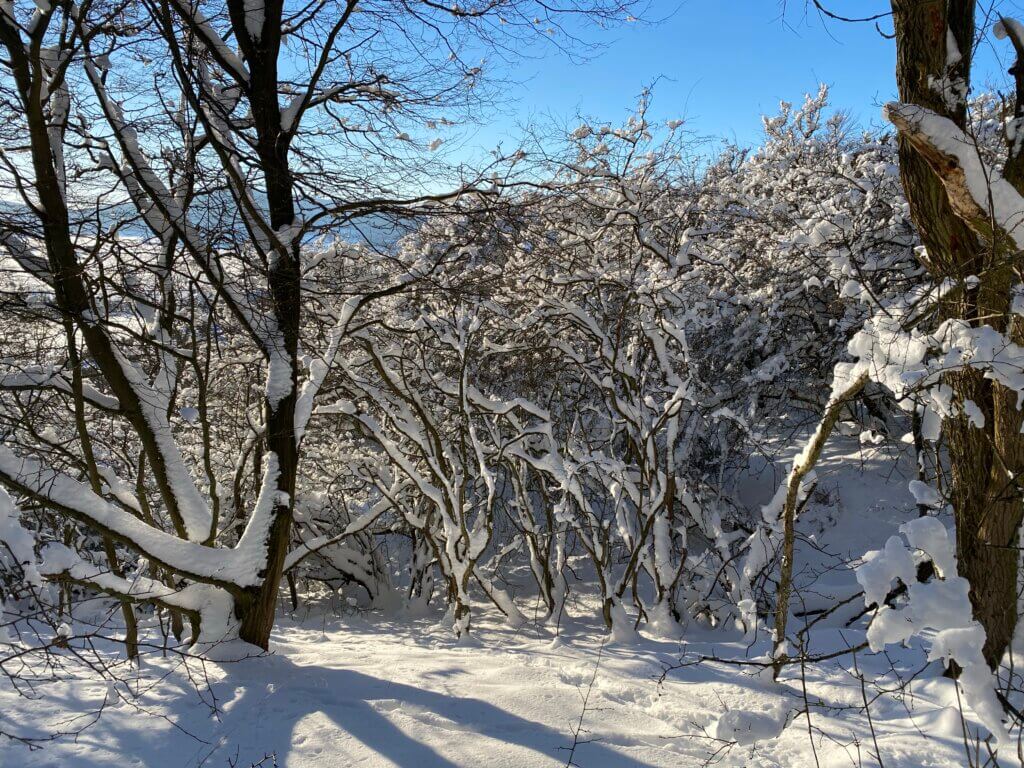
390, 690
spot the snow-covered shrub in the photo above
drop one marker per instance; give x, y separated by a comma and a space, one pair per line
795, 245
693, 311
639, 317
576, 370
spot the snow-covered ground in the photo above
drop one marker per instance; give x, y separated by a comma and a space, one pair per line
345, 689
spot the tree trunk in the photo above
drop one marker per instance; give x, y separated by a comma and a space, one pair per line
987, 507
256, 609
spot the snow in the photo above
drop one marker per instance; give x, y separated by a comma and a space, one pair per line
1005, 26
623, 631
211, 39
747, 728
279, 374
152, 402
974, 413
952, 89
553, 528
289, 113
320, 367
925, 495
351, 691
346, 694
47, 377
254, 16
16, 543
58, 558
252, 546
990, 191
582, 132
942, 606
239, 566
393, 689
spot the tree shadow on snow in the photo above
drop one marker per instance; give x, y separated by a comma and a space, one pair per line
358, 705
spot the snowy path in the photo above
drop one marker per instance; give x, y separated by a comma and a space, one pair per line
357, 693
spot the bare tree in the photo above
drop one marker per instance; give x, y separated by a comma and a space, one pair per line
264, 128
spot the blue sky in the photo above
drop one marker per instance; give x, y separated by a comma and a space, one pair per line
722, 64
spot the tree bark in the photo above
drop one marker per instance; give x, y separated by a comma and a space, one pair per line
987, 507
256, 609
